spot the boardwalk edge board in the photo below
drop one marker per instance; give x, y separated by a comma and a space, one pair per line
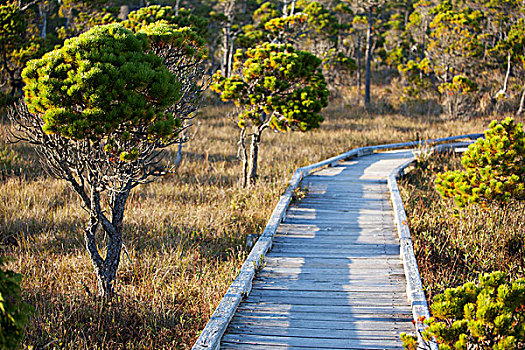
414, 287
211, 335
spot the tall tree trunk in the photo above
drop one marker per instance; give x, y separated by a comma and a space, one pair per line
292, 8
123, 12
214, 47
359, 66
254, 154
507, 74
230, 55
227, 40
368, 58
177, 6
244, 157
43, 34
422, 56
225, 49
522, 101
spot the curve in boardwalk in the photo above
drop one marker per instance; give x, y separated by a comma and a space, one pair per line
334, 278
211, 336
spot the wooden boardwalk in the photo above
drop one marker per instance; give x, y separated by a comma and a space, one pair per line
334, 278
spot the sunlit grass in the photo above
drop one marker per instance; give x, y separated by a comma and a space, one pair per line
184, 234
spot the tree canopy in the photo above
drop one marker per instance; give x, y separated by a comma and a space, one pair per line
101, 82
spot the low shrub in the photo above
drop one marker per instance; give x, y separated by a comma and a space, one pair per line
13, 312
486, 315
494, 168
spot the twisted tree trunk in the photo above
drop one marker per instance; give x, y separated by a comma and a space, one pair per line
106, 268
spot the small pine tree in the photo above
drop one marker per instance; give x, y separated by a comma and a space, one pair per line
100, 109
494, 168
457, 96
278, 87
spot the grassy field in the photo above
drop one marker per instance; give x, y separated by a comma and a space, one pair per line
452, 245
184, 235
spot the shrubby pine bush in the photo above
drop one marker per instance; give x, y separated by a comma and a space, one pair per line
487, 315
412, 74
494, 168
13, 312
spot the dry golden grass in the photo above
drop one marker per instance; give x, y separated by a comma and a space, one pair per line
184, 234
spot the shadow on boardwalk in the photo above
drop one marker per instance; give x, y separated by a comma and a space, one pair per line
334, 278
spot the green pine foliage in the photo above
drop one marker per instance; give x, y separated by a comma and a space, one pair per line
13, 312
413, 75
17, 46
12, 25
184, 18
494, 167
459, 84
184, 41
487, 315
103, 81
279, 82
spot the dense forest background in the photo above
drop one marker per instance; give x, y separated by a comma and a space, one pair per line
460, 57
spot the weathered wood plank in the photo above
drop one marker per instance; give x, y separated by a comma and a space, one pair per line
313, 255
382, 224
318, 284
385, 228
316, 343
335, 262
361, 276
298, 316
380, 301
304, 240
341, 248
321, 286
370, 272
387, 334
243, 346
319, 209
355, 324
336, 295
323, 309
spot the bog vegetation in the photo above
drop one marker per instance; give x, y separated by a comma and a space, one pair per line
480, 231
112, 91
